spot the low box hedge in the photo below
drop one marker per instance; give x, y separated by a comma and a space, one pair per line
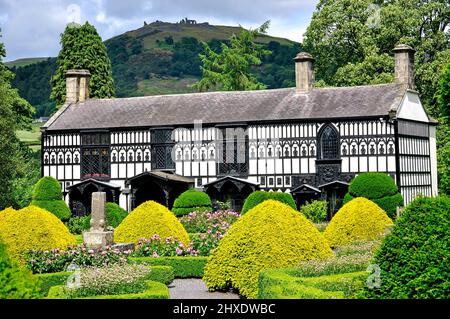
155, 290
46, 281
162, 274
183, 267
281, 284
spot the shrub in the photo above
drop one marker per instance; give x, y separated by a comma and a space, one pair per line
414, 257
183, 267
77, 225
55, 260
190, 201
379, 188
163, 274
33, 228
58, 208
280, 284
158, 247
47, 195
271, 235
258, 197
148, 219
316, 211
114, 214
201, 222
359, 219
15, 282
46, 281
47, 188
205, 243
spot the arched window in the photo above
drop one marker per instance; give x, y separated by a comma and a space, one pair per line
328, 143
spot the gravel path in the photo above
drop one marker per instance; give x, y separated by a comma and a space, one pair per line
195, 289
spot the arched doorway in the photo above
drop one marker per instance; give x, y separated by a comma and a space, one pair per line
149, 191
232, 189
80, 195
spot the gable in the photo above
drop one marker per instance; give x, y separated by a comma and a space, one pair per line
411, 108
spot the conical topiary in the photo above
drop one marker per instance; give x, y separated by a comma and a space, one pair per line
360, 219
47, 195
148, 219
271, 235
32, 228
190, 201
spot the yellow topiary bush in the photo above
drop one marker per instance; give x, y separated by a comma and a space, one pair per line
359, 219
148, 219
32, 228
270, 235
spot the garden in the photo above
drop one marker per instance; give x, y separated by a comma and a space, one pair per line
269, 250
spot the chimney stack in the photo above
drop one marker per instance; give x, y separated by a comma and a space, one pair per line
404, 65
304, 72
77, 86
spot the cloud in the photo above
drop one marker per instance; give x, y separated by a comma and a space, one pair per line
32, 28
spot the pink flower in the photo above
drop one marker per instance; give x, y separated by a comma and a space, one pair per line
155, 254
179, 251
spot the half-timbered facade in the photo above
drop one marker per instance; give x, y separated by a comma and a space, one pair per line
307, 141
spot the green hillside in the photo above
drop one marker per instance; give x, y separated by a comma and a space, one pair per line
24, 62
159, 58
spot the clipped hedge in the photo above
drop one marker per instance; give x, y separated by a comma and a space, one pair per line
33, 228
271, 235
15, 282
148, 219
46, 281
281, 284
190, 201
414, 257
163, 274
114, 214
360, 219
47, 188
154, 290
58, 208
379, 188
257, 197
183, 267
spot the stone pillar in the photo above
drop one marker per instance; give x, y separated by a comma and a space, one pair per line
304, 72
404, 65
97, 236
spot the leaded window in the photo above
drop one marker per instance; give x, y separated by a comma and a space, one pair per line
329, 143
162, 146
95, 155
233, 152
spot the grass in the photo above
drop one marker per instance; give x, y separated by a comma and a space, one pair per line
166, 85
31, 137
24, 62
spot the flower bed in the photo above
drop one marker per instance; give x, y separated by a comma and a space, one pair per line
157, 247
56, 260
201, 222
183, 267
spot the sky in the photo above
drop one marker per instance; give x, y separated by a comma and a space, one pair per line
32, 28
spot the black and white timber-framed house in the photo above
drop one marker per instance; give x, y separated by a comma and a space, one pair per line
307, 141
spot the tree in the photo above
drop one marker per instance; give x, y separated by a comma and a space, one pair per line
15, 113
444, 93
230, 69
82, 48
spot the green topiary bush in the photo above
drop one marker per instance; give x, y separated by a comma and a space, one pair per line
58, 208
183, 267
15, 282
414, 257
114, 214
147, 220
47, 195
271, 235
190, 201
258, 197
316, 211
379, 188
47, 188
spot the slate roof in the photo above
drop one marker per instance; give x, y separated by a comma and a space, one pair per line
226, 107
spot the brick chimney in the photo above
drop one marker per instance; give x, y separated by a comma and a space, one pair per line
304, 72
77, 86
404, 65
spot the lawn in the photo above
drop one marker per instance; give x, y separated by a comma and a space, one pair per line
32, 137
